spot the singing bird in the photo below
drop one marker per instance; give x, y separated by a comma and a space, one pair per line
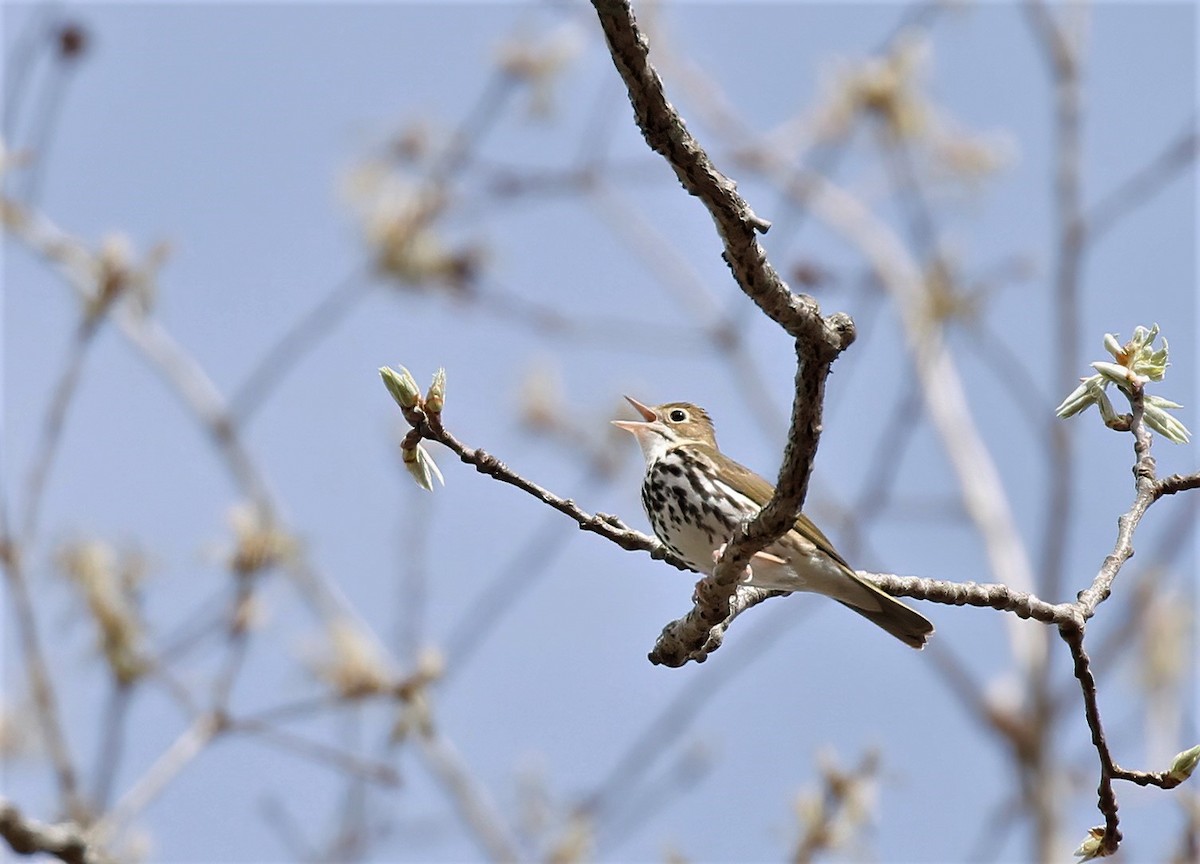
694, 496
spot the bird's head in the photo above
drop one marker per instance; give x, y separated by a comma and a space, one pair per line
667, 425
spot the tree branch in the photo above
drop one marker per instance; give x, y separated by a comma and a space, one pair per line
429, 425
819, 340
667, 134
64, 840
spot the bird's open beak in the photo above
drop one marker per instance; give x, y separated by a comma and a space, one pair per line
635, 425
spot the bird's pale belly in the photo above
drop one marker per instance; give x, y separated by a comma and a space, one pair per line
691, 514
694, 515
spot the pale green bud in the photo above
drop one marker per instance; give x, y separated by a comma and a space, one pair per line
1165, 424
1092, 845
1143, 337
422, 467
1081, 398
1161, 402
1184, 764
1114, 372
1139, 357
436, 397
401, 385
1154, 365
1107, 413
1136, 366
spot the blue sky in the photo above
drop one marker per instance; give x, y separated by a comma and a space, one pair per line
230, 130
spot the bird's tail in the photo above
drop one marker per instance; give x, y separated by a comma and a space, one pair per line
909, 626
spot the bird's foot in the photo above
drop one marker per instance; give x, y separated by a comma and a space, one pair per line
749, 573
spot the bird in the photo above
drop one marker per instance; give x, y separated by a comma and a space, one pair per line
695, 496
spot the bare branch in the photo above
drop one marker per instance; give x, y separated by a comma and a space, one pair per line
701, 631
737, 224
475, 806
1143, 184
1143, 471
1073, 636
993, 596
427, 425
819, 341
65, 840
190, 743
38, 672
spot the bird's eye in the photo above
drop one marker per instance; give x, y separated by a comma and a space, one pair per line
678, 415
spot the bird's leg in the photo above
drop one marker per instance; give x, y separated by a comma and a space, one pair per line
764, 558
761, 557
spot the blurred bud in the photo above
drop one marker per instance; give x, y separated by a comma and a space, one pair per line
541, 398
72, 41
431, 664
402, 386
422, 467
1092, 845
541, 64
944, 300
810, 273
258, 543
887, 87
113, 272
20, 735
435, 399
413, 143
968, 157
1184, 764
415, 716
109, 584
399, 218
350, 661
577, 842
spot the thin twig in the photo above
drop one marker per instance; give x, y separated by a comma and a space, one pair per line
737, 224
53, 425
1144, 183
317, 751
1107, 799
112, 744
475, 806
611, 527
40, 681
190, 743
299, 339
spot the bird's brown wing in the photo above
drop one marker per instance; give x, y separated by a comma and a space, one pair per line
872, 603
759, 490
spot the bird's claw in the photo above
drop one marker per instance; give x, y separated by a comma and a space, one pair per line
747, 575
